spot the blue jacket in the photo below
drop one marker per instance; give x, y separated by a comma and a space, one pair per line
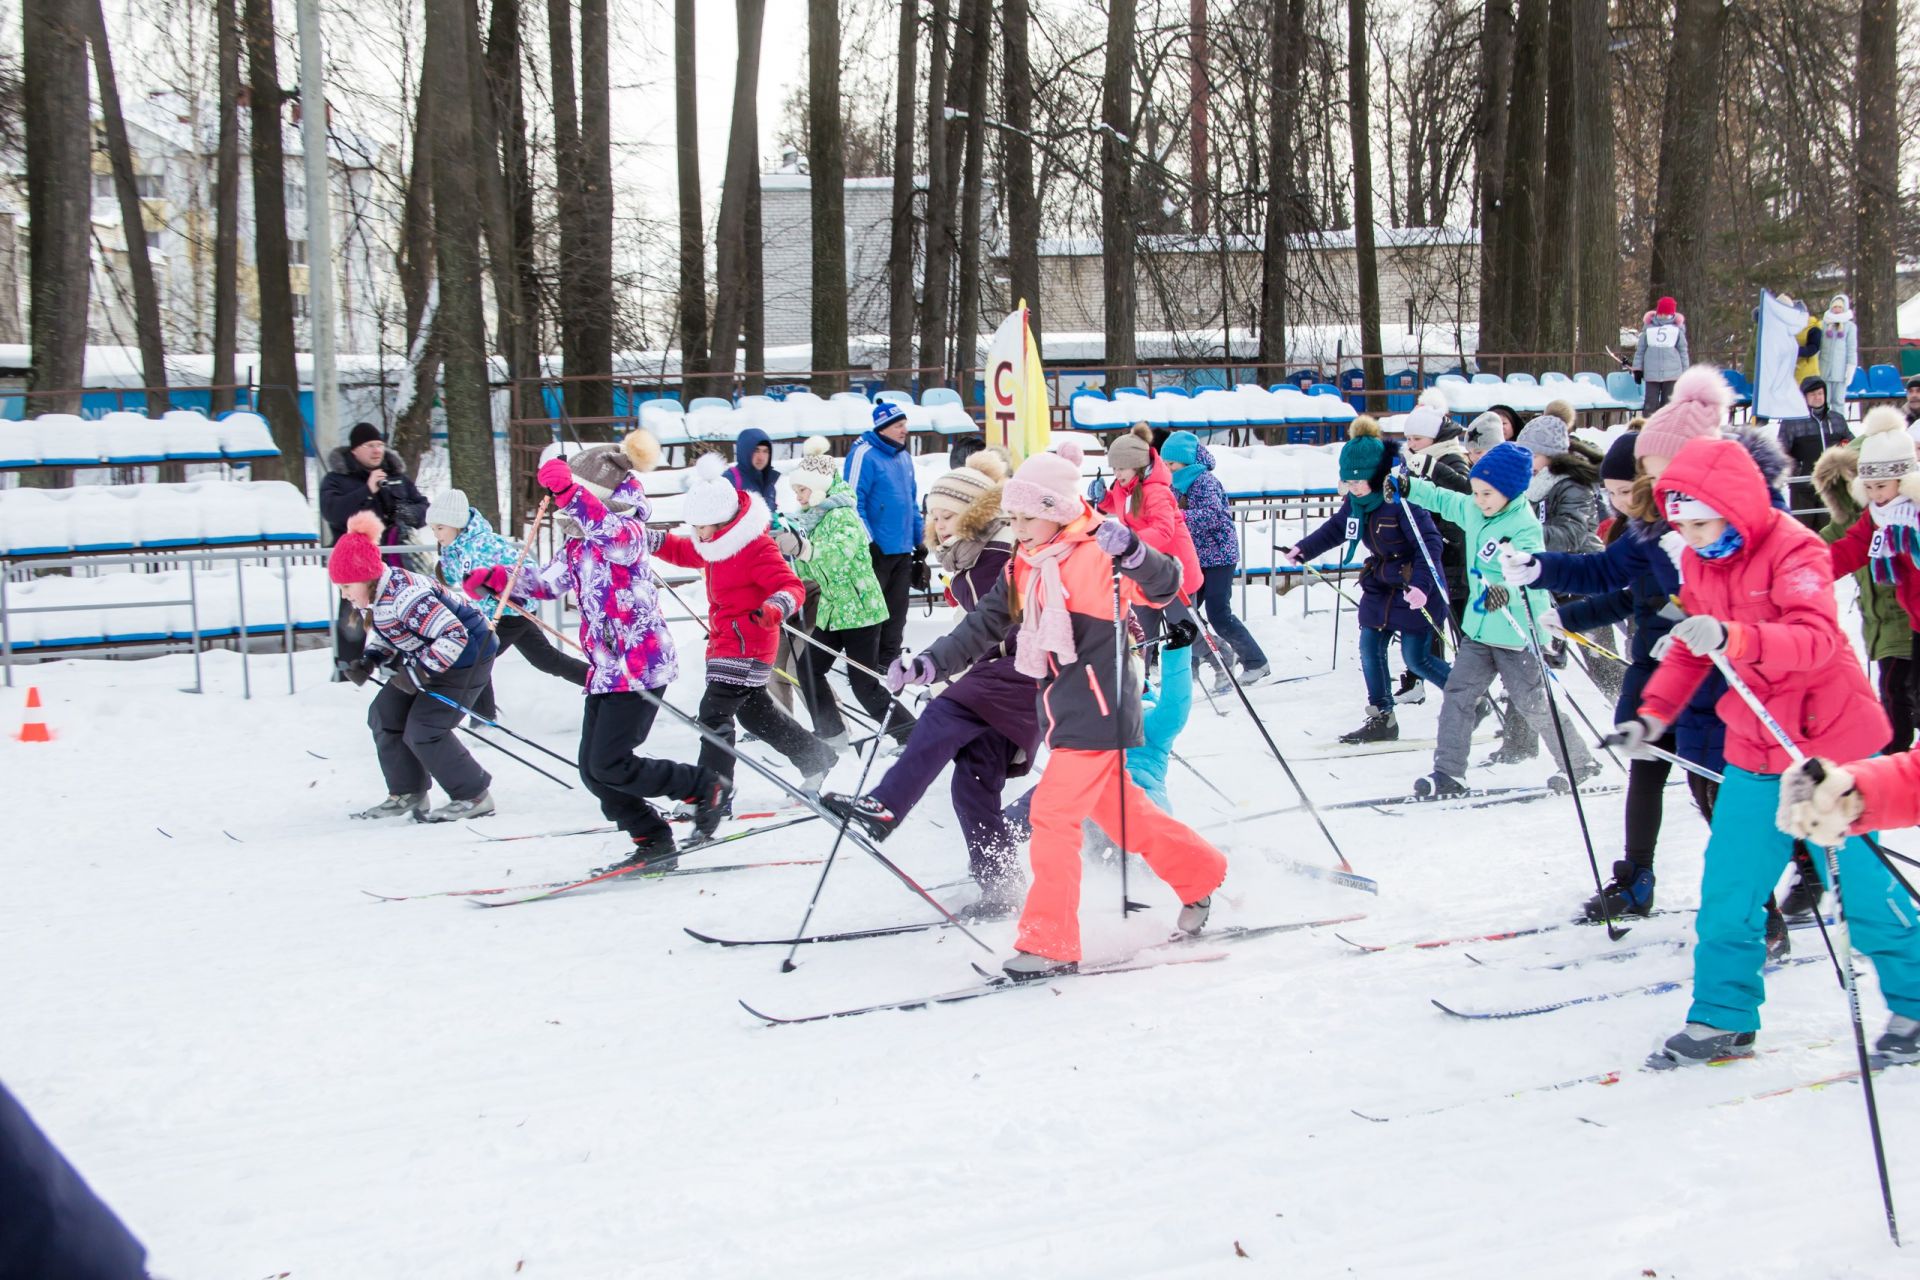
56, 1225
885, 493
1208, 514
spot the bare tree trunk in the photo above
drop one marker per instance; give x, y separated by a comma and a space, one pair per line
596, 240
1876, 168
506, 146
570, 181
460, 321
900, 317
133, 221
1687, 124
1285, 35
1519, 205
754, 328
1557, 225
1116, 193
967, 320
226, 209
693, 230
59, 205
279, 373
1366, 258
939, 213
411, 430
730, 259
826, 162
1197, 99
1490, 167
1598, 253
1023, 205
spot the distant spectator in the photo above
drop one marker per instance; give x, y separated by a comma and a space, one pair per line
365, 475
1660, 355
887, 498
1839, 351
1808, 339
1913, 401
964, 447
1805, 439
752, 470
1509, 422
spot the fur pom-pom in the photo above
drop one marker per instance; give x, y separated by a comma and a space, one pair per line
1144, 431
1362, 426
641, 448
990, 463
710, 466
1560, 409
815, 446
1435, 399
367, 524
1883, 419
1703, 384
1071, 451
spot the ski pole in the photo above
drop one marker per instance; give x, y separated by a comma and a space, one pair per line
1211, 785
1595, 646
876, 676
1845, 946
495, 724
1426, 557
1614, 932
788, 965
478, 737
1127, 904
526, 546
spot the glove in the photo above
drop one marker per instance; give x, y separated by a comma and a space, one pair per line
1394, 487
903, 671
790, 544
486, 582
557, 478
357, 671
1181, 632
1416, 598
1639, 376
1495, 599
1635, 736
1703, 633
1292, 556
1551, 621
770, 614
1116, 540
920, 577
1822, 811
1519, 568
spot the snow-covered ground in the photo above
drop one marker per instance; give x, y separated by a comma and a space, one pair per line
267, 1072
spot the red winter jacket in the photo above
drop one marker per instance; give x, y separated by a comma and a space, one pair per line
744, 569
1159, 524
1776, 596
1890, 785
1855, 547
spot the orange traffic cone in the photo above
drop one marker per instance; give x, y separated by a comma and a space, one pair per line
33, 728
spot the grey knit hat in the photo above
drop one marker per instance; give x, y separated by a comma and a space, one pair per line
449, 508
1544, 437
600, 468
1132, 451
1486, 431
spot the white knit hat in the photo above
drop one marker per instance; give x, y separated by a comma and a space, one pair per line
816, 469
711, 498
449, 508
1886, 451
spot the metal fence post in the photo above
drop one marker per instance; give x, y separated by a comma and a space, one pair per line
193, 614
240, 590
6, 628
286, 605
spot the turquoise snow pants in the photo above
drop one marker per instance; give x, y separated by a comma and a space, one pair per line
1745, 855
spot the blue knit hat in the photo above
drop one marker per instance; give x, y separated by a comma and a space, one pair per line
1507, 467
885, 413
1182, 447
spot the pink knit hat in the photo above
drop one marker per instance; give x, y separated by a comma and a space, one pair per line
1698, 409
356, 557
1047, 486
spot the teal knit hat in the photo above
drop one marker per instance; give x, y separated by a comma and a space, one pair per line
1360, 457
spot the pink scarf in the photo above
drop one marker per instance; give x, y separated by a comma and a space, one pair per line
1046, 627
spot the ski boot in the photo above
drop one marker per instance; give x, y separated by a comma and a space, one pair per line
1380, 727
873, 817
996, 902
406, 806
1222, 680
837, 741
1026, 967
1700, 1045
1439, 784
712, 804
1254, 675
655, 853
1412, 691
1779, 939
1193, 915
1803, 899
1630, 894
456, 810
1900, 1042
1503, 754
1581, 773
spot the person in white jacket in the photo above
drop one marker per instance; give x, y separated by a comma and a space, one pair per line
1839, 350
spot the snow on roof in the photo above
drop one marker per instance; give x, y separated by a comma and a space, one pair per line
1384, 237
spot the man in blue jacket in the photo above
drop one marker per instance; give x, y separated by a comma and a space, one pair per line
885, 494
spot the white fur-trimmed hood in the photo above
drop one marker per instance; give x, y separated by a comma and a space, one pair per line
754, 519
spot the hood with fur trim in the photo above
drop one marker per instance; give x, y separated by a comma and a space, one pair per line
1575, 466
1654, 317
1833, 477
752, 520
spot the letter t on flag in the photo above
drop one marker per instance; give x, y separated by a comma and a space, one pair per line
1018, 417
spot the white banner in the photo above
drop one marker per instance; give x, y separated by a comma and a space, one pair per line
1776, 349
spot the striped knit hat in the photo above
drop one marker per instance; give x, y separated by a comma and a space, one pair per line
957, 491
816, 469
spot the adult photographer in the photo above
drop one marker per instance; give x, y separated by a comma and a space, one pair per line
365, 475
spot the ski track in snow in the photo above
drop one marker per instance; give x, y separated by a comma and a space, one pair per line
264, 1071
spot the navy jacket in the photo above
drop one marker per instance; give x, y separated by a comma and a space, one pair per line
745, 476
1393, 563
51, 1222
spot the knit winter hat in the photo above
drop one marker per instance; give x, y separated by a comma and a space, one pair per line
361, 433
1486, 431
1545, 436
1666, 307
1047, 486
1840, 309
1360, 455
1507, 467
641, 448
1182, 447
1619, 462
711, 498
1697, 410
450, 509
356, 557
1132, 451
599, 469
815, 470
1886, 450
886, 413
957, 491
1428, 418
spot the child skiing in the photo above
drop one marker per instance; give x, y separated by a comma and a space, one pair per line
1058, 608
433, 644
987, 722
600, 510
1756, 586
1398, 594
1203, 504
750, 592
1142, 497
468, 542
1495, 637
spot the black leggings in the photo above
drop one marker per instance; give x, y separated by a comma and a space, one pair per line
862, 647
524, 634
1646, 802
1899, 695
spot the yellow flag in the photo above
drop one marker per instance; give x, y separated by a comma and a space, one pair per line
1018, 418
